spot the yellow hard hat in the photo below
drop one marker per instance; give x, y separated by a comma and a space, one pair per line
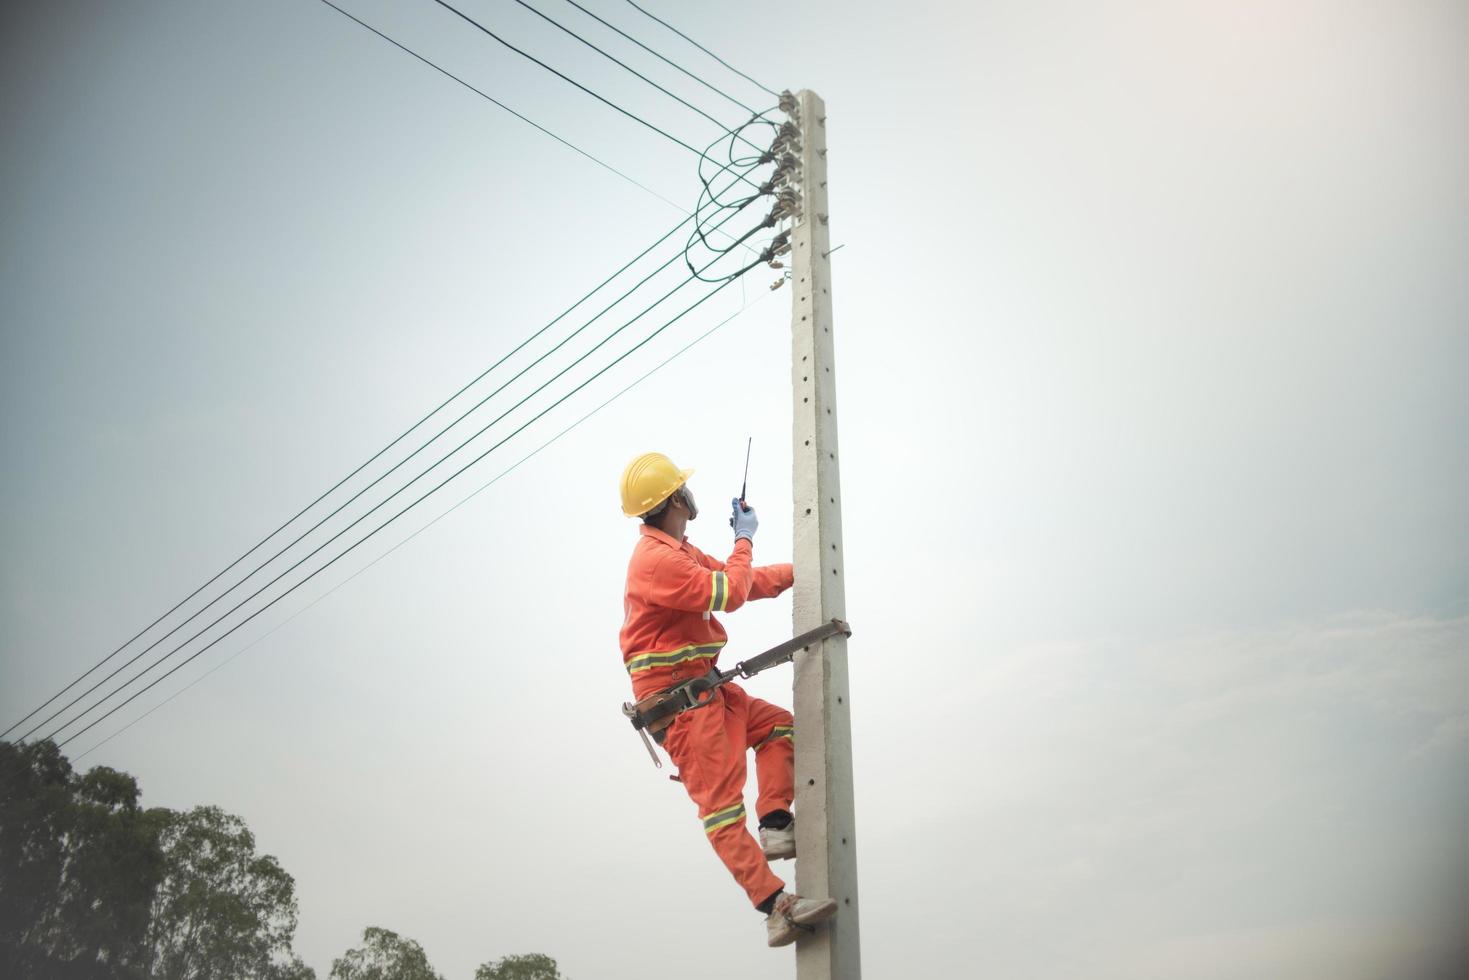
648, 481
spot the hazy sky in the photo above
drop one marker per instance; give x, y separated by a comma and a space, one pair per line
1152, 329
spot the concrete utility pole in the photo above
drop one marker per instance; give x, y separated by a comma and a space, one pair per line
826, 838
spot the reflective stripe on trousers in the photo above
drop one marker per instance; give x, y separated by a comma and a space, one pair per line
708, 746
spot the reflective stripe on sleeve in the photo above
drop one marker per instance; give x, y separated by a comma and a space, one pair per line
647, 661
779, 731
718, 592
720, 819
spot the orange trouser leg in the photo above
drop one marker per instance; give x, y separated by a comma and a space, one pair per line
708, 745
769, 731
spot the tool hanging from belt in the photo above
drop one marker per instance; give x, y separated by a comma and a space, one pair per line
654, 713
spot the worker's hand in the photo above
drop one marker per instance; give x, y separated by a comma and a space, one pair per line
744, 520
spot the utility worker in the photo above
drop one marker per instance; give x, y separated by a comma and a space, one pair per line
669, 635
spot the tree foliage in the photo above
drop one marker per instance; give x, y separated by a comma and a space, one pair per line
93, 887
79, 862
222, 911
384, 955
530, 966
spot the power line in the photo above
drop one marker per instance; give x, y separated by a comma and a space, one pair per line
466, 499
660, 57
406, 432
353, 524
626, 67
485, 95
400, 513
785, 199
702, 48
359, 493
524, 54
369, 462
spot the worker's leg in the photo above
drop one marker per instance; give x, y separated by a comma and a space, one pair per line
769, 731
708, 746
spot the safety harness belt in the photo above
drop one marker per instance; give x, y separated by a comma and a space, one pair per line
654, 713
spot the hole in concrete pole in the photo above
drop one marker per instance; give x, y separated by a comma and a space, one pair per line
810, 782
808, 510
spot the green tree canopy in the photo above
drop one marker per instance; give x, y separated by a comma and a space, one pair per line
530, 966
79, 862
384, 955
221, 911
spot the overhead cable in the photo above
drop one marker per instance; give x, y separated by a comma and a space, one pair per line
462, 501
696, 274
787, 203
355, 522
626, 67
524, 54
401, 436
485, 95
702, 81
138, 656
701, 48
400, 513
494, 101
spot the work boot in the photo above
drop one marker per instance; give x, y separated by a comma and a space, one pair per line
778, 843
793, 915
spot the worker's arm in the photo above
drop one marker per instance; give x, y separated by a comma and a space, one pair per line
771, 580
767, 581
702, 584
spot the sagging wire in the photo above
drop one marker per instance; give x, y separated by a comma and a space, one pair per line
781, 183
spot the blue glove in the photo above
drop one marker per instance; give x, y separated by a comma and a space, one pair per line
744, 520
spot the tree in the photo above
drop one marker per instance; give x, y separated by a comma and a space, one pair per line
291, 968
384, 955
35, 815
221, 912
79, 863
93, 887
530, 966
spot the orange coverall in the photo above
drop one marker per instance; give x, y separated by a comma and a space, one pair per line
669, 636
